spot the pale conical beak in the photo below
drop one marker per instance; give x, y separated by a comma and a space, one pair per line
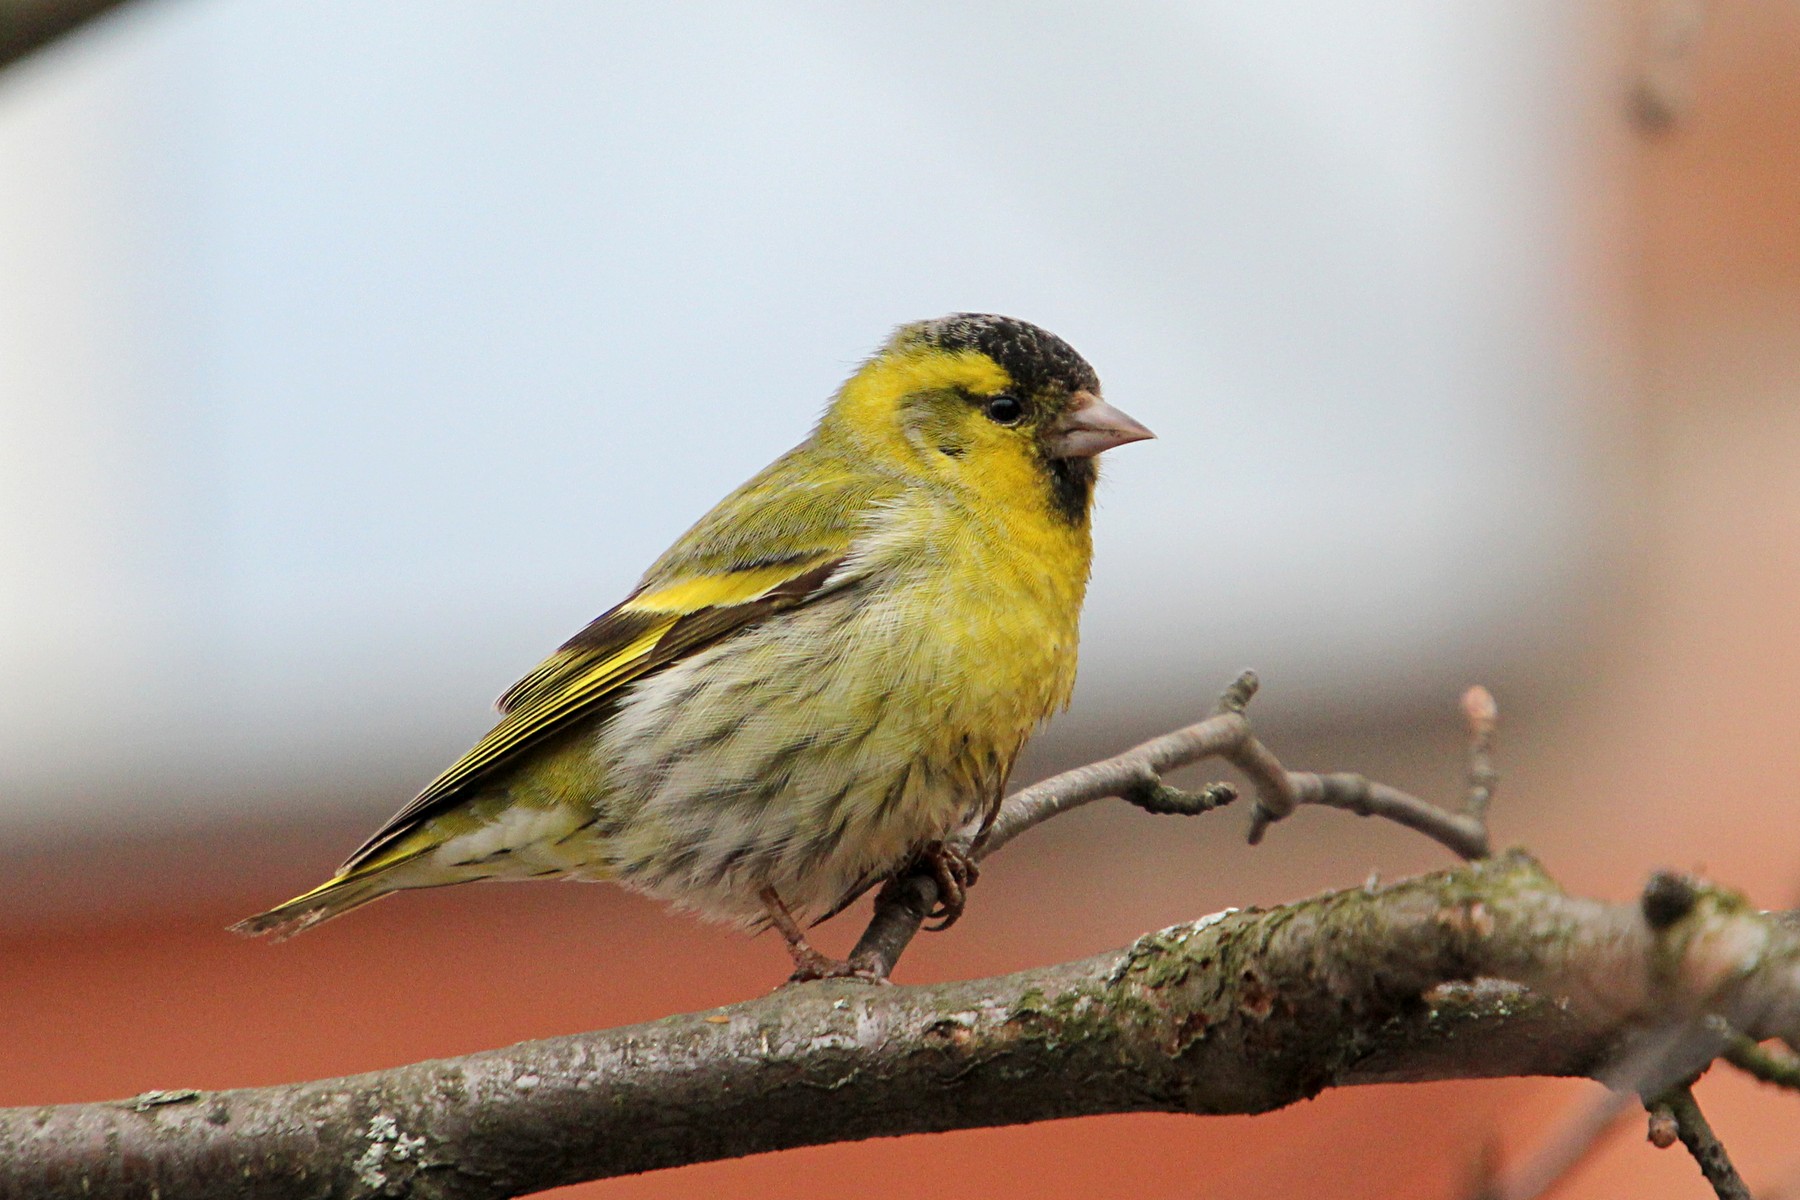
1091, 426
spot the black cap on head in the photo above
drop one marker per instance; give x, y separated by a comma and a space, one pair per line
1035, 358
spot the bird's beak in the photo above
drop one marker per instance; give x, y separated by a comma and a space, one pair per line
1090, 426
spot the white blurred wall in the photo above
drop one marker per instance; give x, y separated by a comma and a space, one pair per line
353, 355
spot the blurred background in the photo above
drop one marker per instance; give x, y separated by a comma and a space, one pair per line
352, 356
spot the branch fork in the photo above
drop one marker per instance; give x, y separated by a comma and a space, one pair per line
1136, 777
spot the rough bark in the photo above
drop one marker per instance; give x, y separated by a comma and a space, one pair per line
1239, 1012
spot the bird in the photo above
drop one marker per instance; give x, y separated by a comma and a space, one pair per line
824, 679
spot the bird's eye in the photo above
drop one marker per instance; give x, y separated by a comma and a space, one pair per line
1005, 410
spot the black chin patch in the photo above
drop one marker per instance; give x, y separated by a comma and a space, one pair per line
1072, 487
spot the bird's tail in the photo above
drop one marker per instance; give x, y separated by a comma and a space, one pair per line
351, 888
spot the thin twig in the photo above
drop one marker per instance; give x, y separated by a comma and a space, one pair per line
1460, 832
1779, 1067
1136, 776
1704, 1145
1279, 792
1128, 774
1647, 1066
1659, 1065
1663, 91
1483, 715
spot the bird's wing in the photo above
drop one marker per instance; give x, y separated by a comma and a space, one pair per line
624, 644
696, 594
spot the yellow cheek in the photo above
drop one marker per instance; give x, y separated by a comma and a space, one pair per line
872, 398
1002, 464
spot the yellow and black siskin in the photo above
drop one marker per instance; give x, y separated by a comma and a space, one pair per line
820, 681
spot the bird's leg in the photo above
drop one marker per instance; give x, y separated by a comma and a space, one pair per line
809, 964
955, 872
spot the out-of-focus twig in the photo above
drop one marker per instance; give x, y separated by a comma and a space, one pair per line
28, 25
1572, 1143
1662, 89
1704, 1145
1483, 715
1781, 1068
1647, 1065
1661, 1063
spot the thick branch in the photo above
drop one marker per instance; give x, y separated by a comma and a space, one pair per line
1240, 1012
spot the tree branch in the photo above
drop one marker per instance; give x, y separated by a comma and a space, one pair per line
1486, 970
1136, 775
1709, 1153
1776, 1067
1239, 1012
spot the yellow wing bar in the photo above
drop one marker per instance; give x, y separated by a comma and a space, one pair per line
648, 631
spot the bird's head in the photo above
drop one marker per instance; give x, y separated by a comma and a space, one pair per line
991, 405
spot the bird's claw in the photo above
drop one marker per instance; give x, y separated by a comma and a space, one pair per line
810, 965
955, 872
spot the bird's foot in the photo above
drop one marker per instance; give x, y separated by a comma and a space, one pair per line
955, 872
809, 964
